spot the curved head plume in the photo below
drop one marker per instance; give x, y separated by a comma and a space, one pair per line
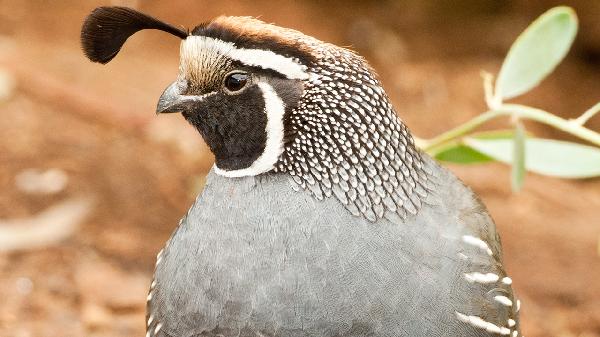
106, 29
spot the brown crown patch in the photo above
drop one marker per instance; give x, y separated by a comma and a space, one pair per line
251, 33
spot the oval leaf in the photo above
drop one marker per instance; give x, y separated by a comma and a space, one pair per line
536, 52
545, 156
461, 154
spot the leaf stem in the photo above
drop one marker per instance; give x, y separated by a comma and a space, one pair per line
518, 111
460, 130
493, 101
581, 120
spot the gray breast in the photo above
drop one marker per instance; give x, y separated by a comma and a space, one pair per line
254, 258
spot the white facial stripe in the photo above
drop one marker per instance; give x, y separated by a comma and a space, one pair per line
275, 109
265, 59
196, 98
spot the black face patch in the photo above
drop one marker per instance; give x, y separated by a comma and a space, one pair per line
233, 126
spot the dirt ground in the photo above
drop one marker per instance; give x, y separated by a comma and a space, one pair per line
140, 172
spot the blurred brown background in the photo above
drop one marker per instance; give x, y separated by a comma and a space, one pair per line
93, 182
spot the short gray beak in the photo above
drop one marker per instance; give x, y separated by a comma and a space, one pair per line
172, 100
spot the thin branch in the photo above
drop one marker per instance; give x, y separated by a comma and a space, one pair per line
581, 120
518, 111
461, 129
554, 121
420, 142
491, 100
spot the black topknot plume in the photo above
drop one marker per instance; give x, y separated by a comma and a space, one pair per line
106, 29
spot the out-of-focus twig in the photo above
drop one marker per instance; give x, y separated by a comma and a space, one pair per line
44, 229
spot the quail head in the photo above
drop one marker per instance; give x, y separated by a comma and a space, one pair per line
320, 217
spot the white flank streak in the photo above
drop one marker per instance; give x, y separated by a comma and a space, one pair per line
478, 322
477, 242
507, 280
503, 300
511, 322
518, 305
274, 108
481, 278
265, 59
159, 257
158, 327
515, 333
149, 297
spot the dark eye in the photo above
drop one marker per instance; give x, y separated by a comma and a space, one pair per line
236, 81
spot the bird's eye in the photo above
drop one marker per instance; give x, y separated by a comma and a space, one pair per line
236, 81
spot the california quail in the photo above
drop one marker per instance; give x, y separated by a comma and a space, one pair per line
320, 216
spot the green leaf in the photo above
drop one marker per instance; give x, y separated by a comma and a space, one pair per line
545, 156
461, 154
536, 52
518, 158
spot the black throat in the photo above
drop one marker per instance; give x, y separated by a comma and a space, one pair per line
233, 126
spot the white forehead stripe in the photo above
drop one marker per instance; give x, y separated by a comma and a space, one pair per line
265, 59
275, 109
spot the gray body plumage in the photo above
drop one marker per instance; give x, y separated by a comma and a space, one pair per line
252, 258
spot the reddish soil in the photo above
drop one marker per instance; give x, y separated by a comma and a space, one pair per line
142, 172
